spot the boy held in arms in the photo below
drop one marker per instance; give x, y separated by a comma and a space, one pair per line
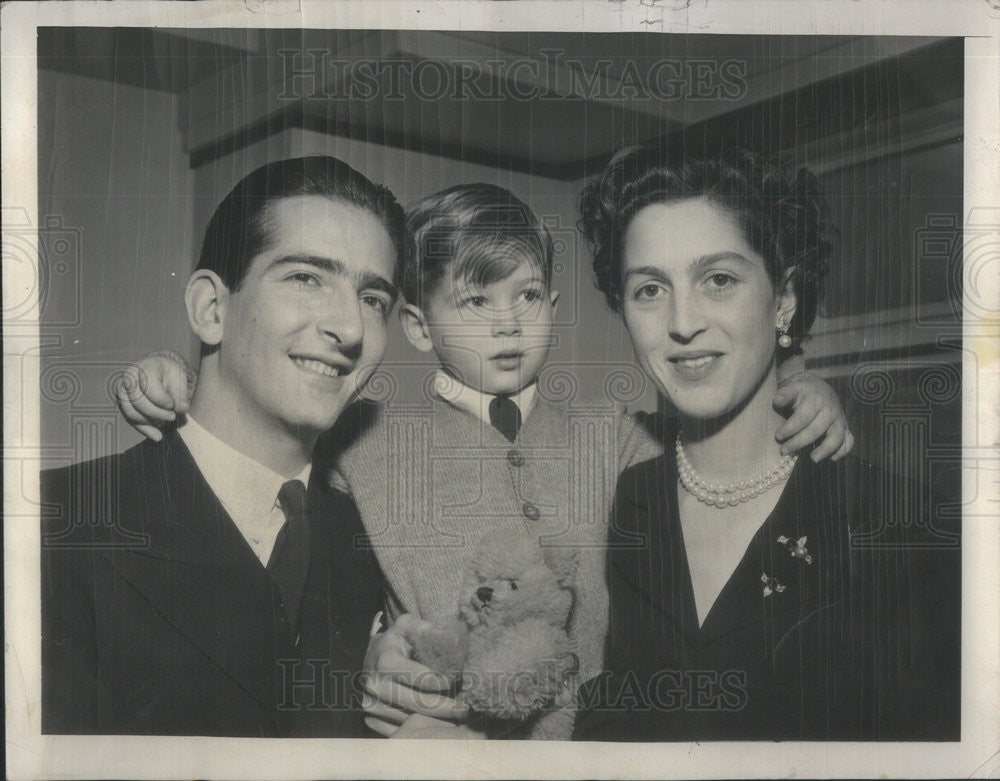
490, 450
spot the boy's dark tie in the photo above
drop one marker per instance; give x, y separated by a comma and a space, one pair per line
289, 562
505, 416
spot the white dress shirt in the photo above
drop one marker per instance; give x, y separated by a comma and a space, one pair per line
247, 490
477, 403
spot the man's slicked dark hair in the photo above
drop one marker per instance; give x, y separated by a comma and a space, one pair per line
237, 232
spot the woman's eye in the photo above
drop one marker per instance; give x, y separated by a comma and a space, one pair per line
647, 291
531, 296
721, 280
476, 301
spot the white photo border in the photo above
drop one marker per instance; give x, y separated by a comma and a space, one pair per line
31, 755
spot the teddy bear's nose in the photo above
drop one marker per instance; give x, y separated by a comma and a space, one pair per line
484, 593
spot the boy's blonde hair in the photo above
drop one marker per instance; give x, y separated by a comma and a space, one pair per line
477, 233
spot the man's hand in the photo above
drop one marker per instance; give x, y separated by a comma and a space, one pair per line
817, 417
153, 392
396, 686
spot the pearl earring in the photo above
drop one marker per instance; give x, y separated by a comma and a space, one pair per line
783, 338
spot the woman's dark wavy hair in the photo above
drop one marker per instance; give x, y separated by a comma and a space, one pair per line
780, 212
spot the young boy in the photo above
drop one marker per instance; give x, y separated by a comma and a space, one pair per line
490, 448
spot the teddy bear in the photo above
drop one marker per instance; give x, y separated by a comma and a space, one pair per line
507, 651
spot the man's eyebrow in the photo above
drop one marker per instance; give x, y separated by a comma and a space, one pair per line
323, 264
367, 280
378, 282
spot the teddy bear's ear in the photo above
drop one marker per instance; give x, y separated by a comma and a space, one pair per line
562, 561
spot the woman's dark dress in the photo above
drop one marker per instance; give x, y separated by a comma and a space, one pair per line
848, 637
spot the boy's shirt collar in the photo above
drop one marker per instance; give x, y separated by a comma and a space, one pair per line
477, 403
246, 489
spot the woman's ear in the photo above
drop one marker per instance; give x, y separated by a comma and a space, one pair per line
554, 300
415, 327
787, 301
205, 298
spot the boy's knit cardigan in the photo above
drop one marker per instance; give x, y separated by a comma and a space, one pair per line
432, 480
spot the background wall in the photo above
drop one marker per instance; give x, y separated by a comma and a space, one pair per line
115, 187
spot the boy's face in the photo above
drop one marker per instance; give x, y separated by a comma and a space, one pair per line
494, 338
307, 327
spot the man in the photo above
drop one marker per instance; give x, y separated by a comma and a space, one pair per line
244, 607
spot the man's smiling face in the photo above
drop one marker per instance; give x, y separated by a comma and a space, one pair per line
307, 327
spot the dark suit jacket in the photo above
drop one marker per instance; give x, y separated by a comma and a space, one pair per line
157, 617
858, 642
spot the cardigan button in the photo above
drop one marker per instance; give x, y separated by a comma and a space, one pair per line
515, 457
531, 512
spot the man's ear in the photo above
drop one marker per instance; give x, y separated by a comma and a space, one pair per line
205, 298
787, 301
415, 327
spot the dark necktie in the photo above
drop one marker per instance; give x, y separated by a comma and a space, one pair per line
505, 416
289, 561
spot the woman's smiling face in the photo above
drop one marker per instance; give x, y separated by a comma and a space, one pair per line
699, 307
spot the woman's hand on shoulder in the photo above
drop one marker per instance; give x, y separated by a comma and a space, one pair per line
154, 391
817, 418
398, 687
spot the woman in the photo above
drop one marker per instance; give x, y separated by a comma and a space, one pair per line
744, 603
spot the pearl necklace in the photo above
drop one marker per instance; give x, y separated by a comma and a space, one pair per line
735, 493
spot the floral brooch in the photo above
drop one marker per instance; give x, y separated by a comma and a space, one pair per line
797, 548
771, 584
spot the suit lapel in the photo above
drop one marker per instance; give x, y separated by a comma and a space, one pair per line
201, 575
340, 600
